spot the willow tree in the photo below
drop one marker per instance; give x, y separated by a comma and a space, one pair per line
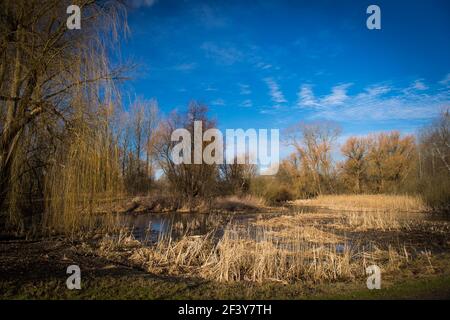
56, 97
313, 142
391, 158
354, 167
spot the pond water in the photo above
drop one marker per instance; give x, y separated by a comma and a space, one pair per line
151, 227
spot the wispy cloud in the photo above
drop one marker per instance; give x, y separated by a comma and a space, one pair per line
263, 65
141, 3
419, 85
210, 17
446, 80
306, 96
244, 89
376, 90
211, 88
185, 67
247, 103
378, 102
274, 91
218, 102
337, 96
225, 54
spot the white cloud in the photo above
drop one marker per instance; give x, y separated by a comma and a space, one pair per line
337, 97
210, 88
377, 90
376, 102
210, 17
263, 66
227, 55
306, 96
218, 102
247, 103
274, 91
376, 105
446, 80
141, 3
244, 89
419, 85
185, 66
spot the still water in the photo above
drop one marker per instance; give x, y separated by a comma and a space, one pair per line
151, 227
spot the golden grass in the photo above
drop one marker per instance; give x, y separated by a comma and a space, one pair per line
235, 203
368, 202
376, 220
283, 249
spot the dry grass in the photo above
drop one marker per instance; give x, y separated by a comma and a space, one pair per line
159, 203
276, 257
283, 249
235, 203
385, 220
368, 202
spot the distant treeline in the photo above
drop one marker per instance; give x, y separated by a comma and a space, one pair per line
377, 163
381, 163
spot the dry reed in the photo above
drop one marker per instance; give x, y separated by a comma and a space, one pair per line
368, 202
282, 252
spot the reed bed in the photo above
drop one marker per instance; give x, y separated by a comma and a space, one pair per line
282, 249
368, 202
242, 203
384, 221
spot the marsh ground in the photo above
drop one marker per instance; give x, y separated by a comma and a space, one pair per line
298, 254
36, 270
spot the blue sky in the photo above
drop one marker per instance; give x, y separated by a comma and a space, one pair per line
270, 64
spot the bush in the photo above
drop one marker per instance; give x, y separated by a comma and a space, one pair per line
278, 195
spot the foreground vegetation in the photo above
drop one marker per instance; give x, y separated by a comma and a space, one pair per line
298, 254
140, 286
302, 246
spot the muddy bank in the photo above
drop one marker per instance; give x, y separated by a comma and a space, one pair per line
166, 203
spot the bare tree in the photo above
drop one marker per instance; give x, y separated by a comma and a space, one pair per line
236, 178
390, 159
314, 142
434, 161
137, 125
355, 166
151, 121
190, 182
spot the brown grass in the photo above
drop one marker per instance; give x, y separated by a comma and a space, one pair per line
235, 203
368, 202
284, 249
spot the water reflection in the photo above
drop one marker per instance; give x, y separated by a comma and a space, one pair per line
154, 227
151, 227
